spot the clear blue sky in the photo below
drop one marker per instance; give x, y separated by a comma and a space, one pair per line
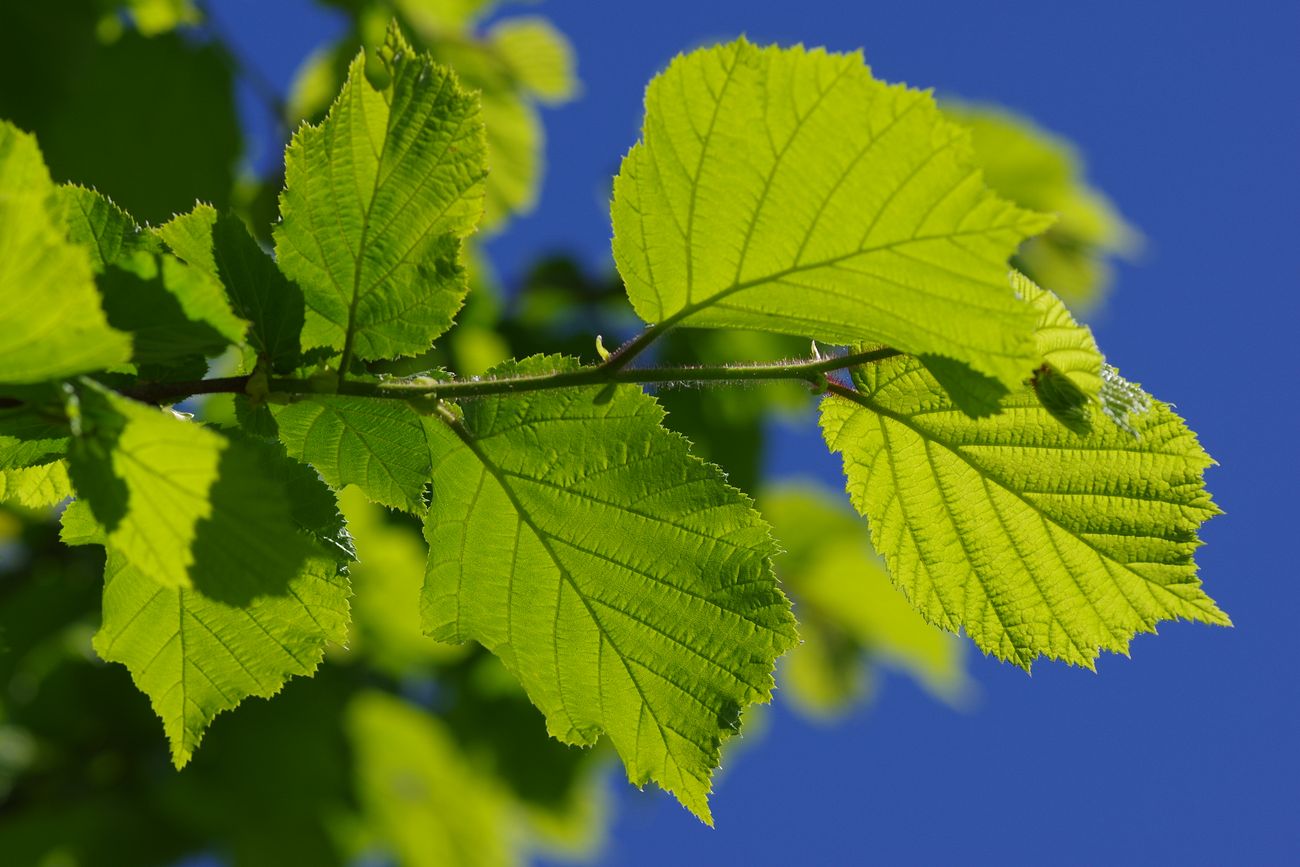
1187, 752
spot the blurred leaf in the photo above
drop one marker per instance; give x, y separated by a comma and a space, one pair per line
272, 785
386, 586
538, 57
149, 122
428, 808
1043, 172
851, 617
435, 16
503, 734
152, 17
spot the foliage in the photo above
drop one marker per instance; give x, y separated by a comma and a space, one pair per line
1038, 170
395, 465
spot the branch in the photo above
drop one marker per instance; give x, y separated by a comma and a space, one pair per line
812, 371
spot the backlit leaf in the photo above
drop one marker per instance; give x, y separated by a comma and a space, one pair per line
788, 190
618, 577
1033, 537
185, 505
196, 656
51, 321
539, 56
376, 202
36, 487
377, 445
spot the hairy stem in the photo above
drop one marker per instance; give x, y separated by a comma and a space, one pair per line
812, 371
619, 358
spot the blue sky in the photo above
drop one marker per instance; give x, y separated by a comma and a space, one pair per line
1187, 752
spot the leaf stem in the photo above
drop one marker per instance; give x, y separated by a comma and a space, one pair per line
619, 358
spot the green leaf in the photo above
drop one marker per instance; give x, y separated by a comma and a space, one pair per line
851, 618
177, 314
187, 506
259, 292
440, 16
189, 236
1068, 375
51, 322
1065, 347
152, 17
427, 805
377, 445
377, 199
386, 588
516, 143
1039, 170
1034, 537
787, 190
29, 438
262, 302
165, 305
557, 788
618, 577
106, 231
36, 487
196, 656
538, 56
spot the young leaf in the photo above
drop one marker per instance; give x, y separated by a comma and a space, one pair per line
152, 17
376, 201
51, 321
196, 656
624, 583
788, 190
379, 446
1034, 537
